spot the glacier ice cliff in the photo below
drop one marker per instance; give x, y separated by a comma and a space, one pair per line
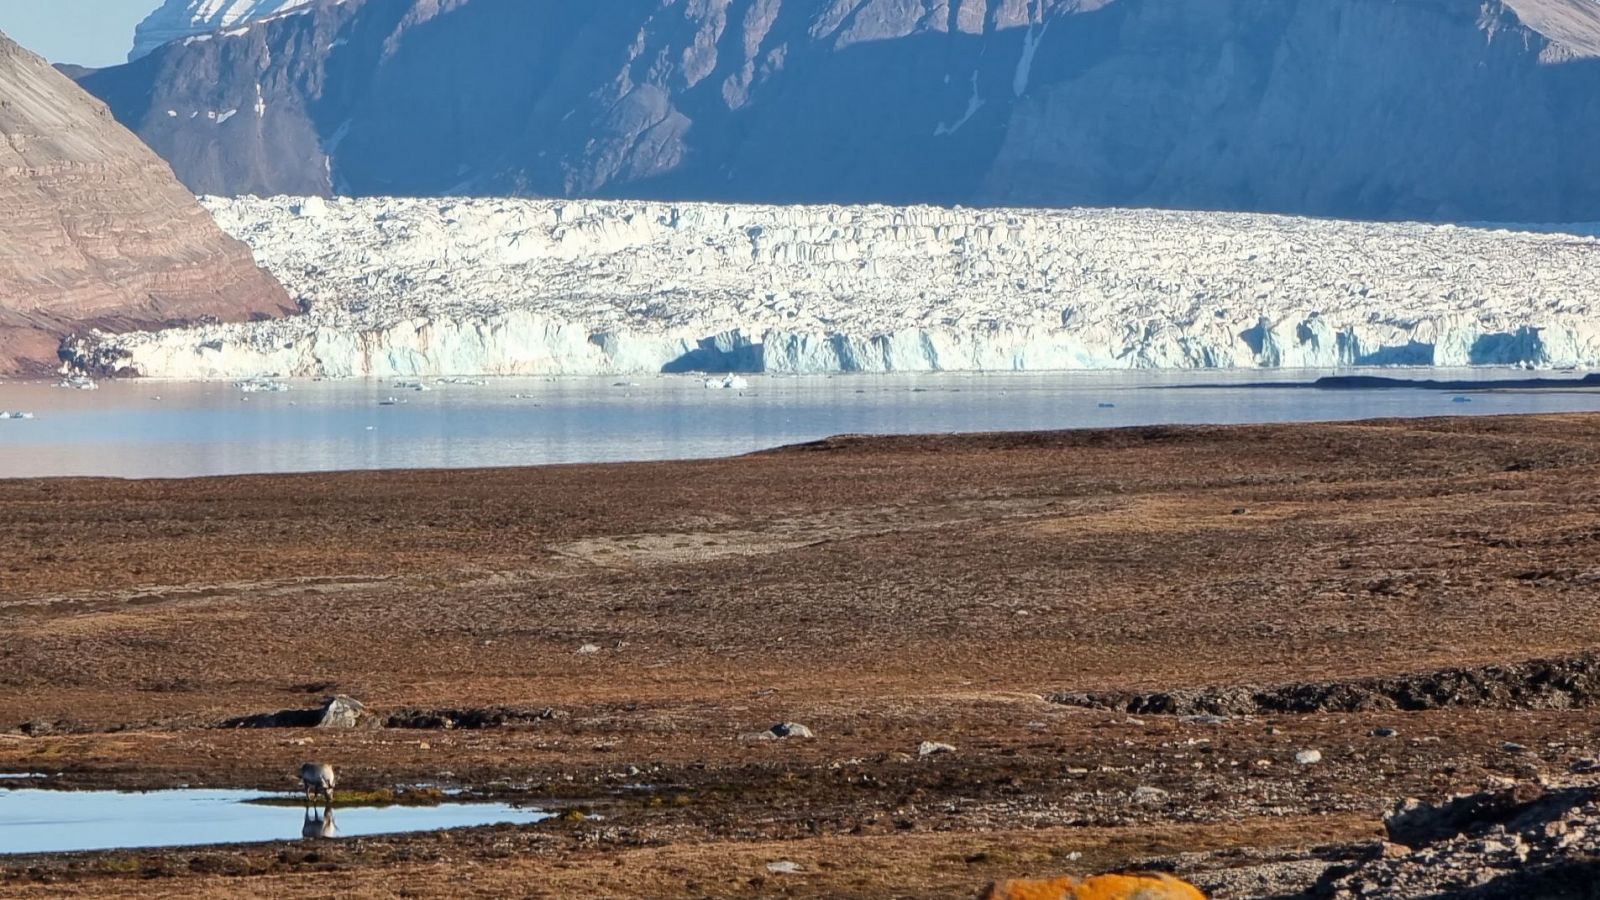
413, 287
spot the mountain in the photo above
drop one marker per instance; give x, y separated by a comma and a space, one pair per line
1430, 109
97, 232
176, 19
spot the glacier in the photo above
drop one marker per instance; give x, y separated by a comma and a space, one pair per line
431, 287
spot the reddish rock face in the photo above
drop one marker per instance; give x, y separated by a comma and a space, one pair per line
96, 231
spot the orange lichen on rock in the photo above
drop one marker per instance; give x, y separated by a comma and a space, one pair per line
1100, 887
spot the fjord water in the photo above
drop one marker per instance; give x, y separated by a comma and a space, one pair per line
39, 821
175, 429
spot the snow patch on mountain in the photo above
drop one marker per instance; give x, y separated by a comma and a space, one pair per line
502, 286
176, 19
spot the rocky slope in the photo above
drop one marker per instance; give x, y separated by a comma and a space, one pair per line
1534, 840
1326, 107
176, 19
431, 287
96, 231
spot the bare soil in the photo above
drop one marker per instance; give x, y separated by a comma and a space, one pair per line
606, 639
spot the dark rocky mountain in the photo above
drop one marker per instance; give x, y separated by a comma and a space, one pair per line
97, 232
1435, 109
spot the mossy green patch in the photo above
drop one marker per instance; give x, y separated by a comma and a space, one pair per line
379, 797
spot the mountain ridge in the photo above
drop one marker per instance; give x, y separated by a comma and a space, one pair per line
1293, 106
98, 233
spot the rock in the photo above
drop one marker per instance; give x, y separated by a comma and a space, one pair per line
1277, 879
1523, 842
1562, 682
342, 711
1142, 886
1415, 824
1145, 794
931, 748
175, 19
1308, 757
778, 732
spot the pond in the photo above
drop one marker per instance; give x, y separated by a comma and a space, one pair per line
43, 821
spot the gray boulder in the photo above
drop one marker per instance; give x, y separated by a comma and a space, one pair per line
342, 711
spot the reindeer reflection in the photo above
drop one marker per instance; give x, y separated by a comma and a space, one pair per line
318, 825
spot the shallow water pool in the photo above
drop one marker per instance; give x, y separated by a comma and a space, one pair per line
38, 821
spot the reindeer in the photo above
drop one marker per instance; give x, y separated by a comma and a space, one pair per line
317, 778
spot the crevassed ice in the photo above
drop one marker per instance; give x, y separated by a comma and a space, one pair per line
501, 286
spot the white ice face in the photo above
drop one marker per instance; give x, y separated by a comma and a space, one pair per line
505, 286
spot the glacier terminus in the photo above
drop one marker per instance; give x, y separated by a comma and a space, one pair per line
420, 287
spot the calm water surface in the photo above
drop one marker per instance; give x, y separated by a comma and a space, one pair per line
171, 429
34, 821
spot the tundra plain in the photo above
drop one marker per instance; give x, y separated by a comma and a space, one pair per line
1072, 613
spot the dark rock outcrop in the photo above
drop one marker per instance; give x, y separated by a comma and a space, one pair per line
1328, 107
338, 711
1571, 682
96, 231
1530, 842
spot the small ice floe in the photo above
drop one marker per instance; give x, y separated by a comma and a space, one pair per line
261, 386
730, 383
15, 415
78, 383
474, 382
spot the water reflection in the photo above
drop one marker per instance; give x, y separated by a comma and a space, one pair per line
44, 821
212, 428
318, 825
